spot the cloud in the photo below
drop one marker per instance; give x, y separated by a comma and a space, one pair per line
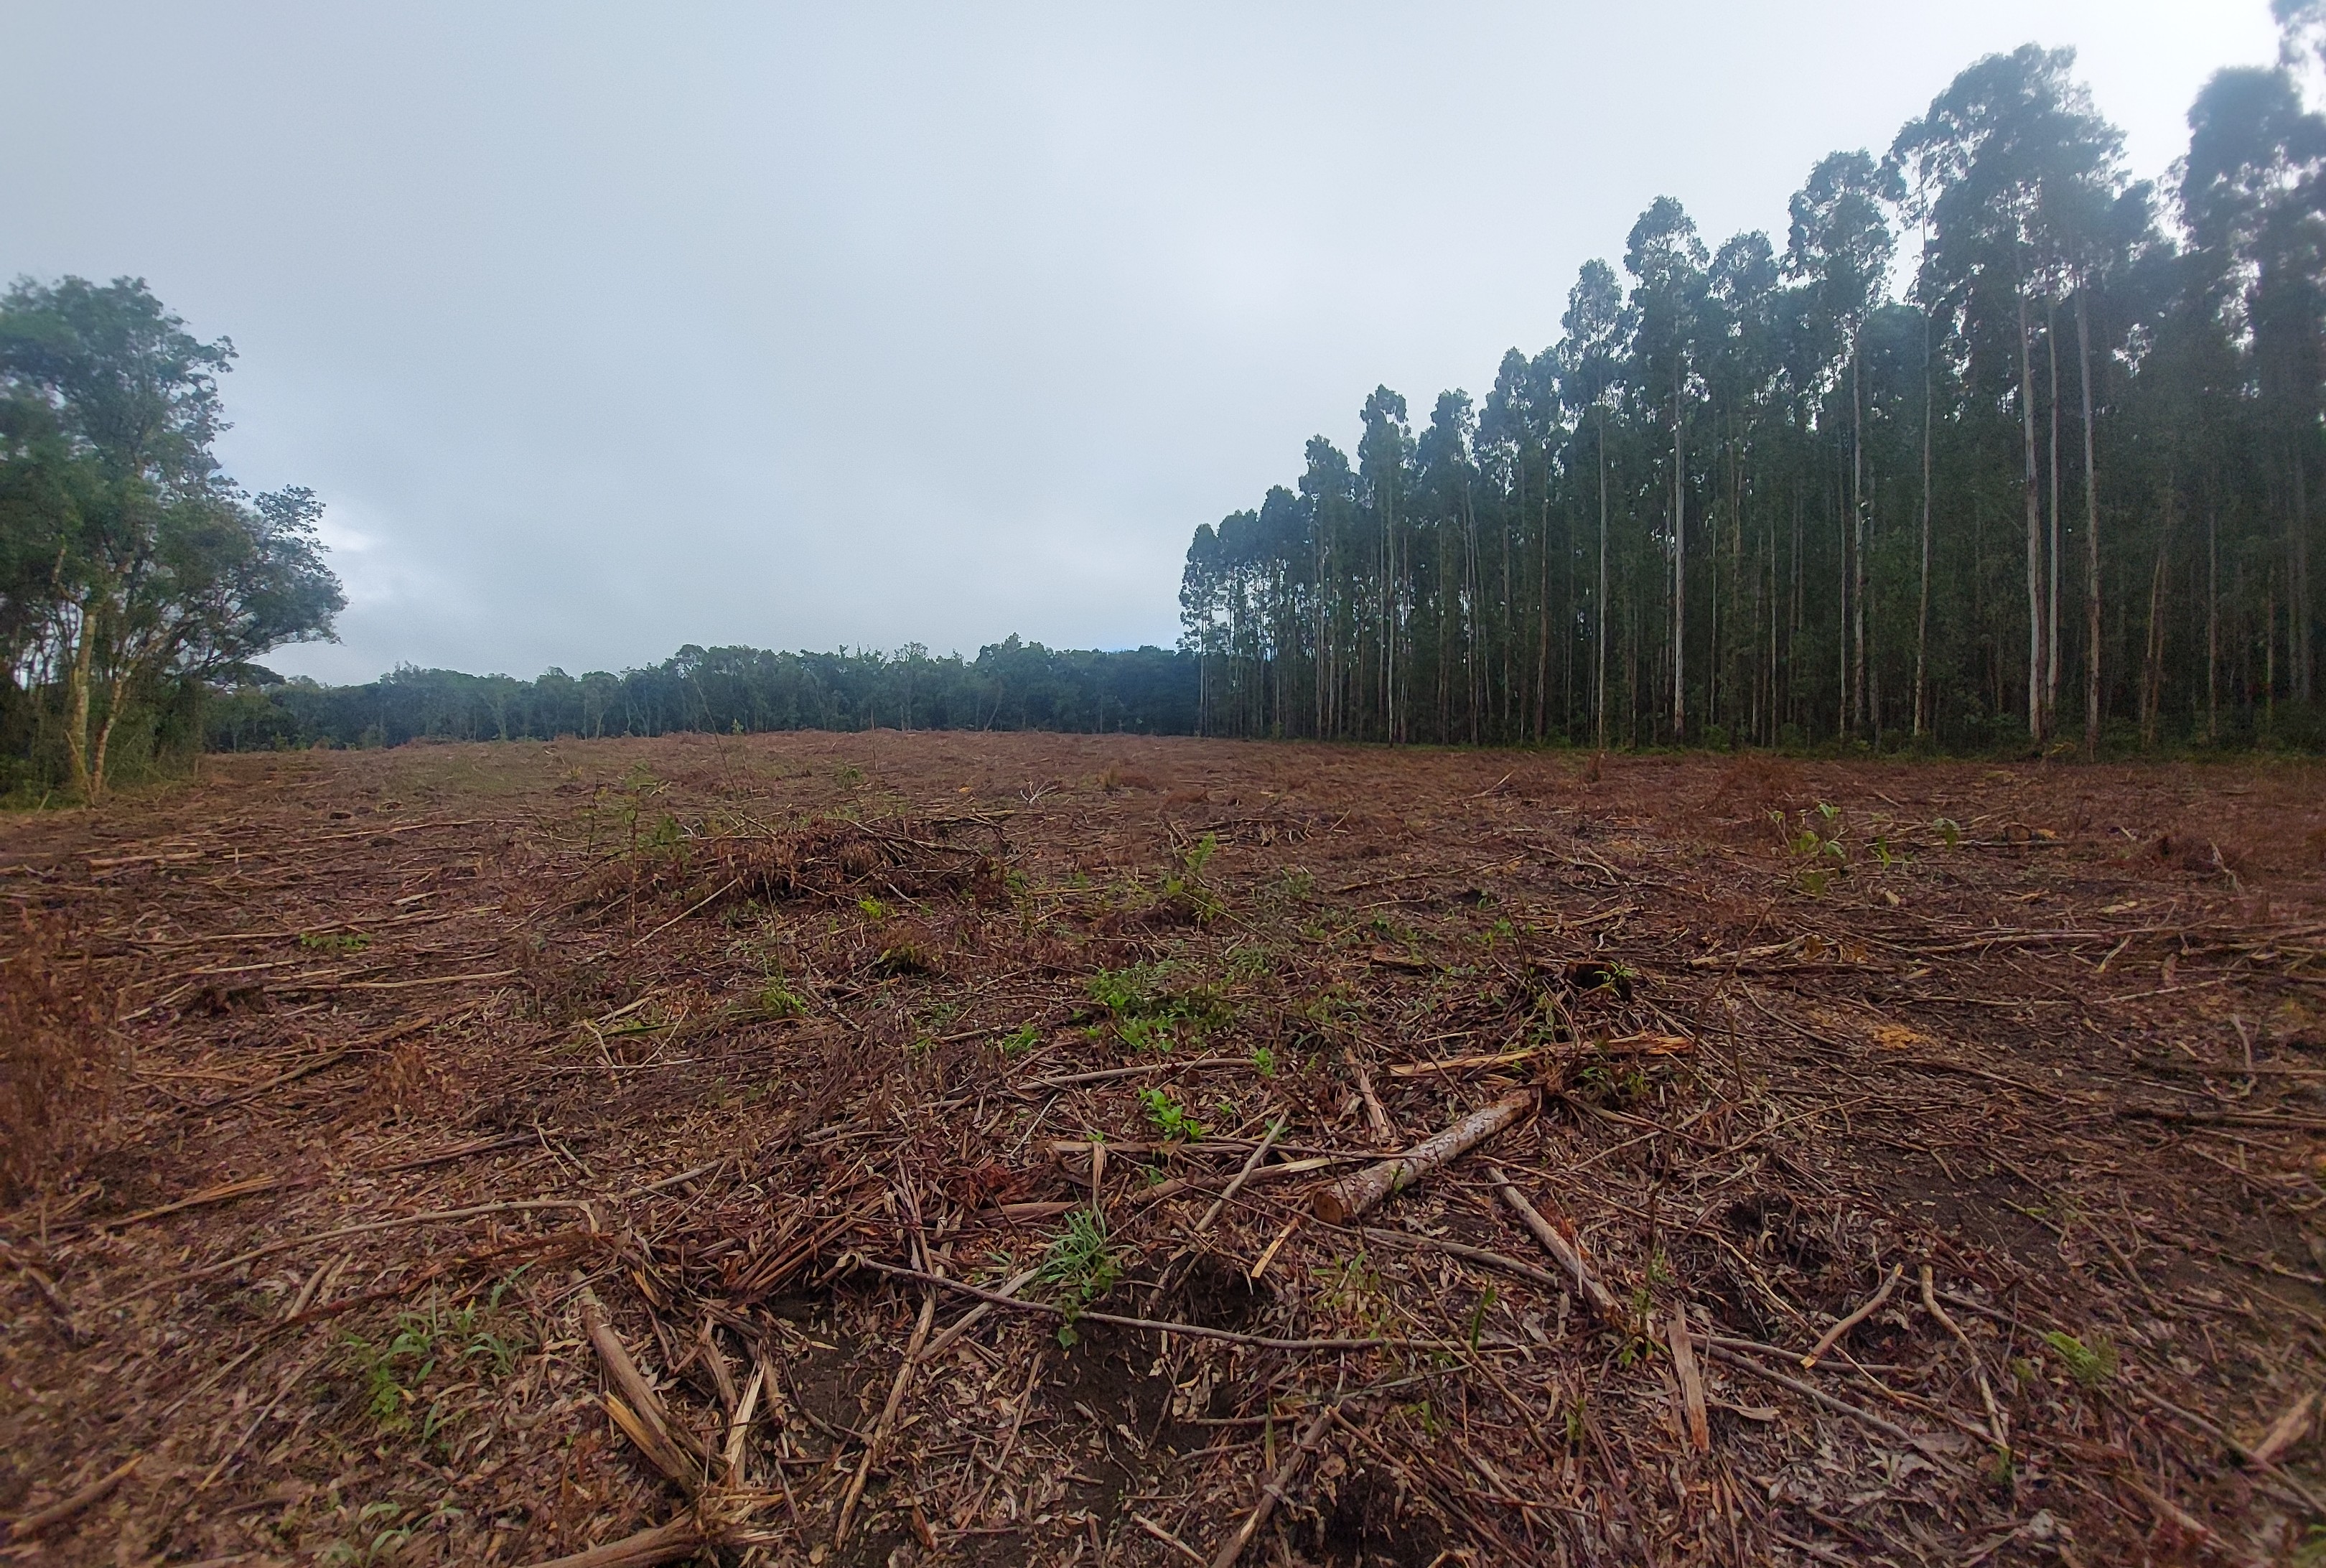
602, 329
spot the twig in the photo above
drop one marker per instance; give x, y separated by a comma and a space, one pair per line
433, 1216
971, 1515
1872, 1304
1995, 1420
1236, 1185
1856, 1413
1107, 1074
1477, 1254
1167, 1538
281, 1394
67, 1508
1273, 1492
880, 1437
976, 1314
1570, 1256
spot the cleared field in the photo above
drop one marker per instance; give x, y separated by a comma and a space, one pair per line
920, 1148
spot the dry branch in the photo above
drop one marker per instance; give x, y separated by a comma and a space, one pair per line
1352, 1196
1866, 1310
1273, 1492
879, 1436
71, 1506
1568, 1253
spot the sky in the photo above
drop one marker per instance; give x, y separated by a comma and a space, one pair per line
603, 328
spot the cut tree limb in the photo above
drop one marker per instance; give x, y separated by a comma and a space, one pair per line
1354, 1195
1691, 1383
636, 1407
663, 1544
1570, 1256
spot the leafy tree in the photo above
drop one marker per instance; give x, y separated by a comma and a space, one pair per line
158, 569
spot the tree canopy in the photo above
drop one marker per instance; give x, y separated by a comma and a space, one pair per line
132, 571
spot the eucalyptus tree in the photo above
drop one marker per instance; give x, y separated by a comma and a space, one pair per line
1742, 367
2014, 149
1590, 359
1383, 454
1840, 246
1858, 468
1517, 428
2253, 200
1667, 263
1328, 490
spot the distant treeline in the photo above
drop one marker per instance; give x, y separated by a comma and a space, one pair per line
1008, 685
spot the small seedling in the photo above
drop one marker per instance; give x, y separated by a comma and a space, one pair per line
777, 1000
1169, 1117
873, 909
1019, 1041
1080, 1265
1263, 1061
329, 942
2090, 1365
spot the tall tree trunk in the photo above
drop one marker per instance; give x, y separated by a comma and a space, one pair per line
2052, 589
1923, 602
1600, 676
1857, 537
2212, 615
2152, 682
117, 690
1679, 552
77, 701
2297, 598
2034, 533
2091, 542
1845, 722
1542, 619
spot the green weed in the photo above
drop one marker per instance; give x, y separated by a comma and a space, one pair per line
1019, 1041
1080, 1265
1184, 883
474, 1341
2090, 1365
334, 942
1169, 1117
777, 1000
1149, 1014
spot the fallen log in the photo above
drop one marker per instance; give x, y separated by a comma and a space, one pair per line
1354, 1195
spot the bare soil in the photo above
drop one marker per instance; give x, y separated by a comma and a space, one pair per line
772, 1047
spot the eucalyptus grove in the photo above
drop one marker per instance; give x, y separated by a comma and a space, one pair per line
1996, 423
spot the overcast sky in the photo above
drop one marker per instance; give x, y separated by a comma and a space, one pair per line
606, 328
